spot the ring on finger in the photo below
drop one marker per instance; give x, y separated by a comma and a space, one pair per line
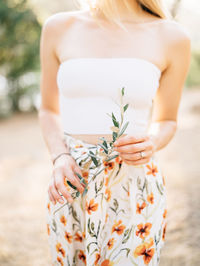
142, 154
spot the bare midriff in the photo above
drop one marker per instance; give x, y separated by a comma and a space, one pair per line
93, 138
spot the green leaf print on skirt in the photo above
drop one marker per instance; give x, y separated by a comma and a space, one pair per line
120, 220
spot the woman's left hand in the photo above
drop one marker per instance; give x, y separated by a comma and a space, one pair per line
135, 150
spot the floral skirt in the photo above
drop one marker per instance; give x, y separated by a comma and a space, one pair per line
121, 220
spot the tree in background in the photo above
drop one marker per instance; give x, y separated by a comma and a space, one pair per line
19, 50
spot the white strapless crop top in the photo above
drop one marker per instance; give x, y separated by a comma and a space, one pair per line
89, 91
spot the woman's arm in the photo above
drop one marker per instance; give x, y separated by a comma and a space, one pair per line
48, 114
167, 100
166, 103
49, 110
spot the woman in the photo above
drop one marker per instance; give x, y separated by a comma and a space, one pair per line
86, 56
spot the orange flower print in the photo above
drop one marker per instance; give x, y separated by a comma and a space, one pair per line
91, 206
110, 243
98, 256
68, 244
106, 183
60, 249
68, 237
152, 169
48, 229
165, 213
101, 151
105, 170
63, 220
143, 230
145, 250
79, 237
109, 166
150, 198
164, 232
118, 227
106, 217
108, 192
85, 175
60, 261
66, 184
78, 146
107, 262
48, 206
140, 207
82, 256
118, 160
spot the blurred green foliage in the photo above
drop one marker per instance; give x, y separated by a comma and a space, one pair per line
19, 49
193, 78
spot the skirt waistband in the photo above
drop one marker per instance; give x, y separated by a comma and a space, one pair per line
71, 139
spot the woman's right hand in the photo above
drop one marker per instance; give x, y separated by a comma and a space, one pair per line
64, 167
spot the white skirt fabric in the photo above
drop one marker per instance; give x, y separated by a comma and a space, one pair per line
121, 220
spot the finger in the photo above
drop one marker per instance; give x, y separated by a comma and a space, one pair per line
138, 162
128, 139
51, 198
60, 186
142, 161
136, 147
74, 180
65, 193
136, 156
78, 170
55, 193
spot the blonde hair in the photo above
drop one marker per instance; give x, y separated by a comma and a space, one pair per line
109, 10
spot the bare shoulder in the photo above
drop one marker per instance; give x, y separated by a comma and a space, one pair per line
59, 21
176, 42
175, 34
56, 26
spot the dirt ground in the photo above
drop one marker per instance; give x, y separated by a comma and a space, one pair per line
25, 169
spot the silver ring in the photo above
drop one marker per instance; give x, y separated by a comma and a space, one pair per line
142, 154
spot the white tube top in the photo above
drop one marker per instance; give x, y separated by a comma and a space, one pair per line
89, 89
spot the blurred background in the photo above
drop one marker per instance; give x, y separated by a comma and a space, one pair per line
25, 166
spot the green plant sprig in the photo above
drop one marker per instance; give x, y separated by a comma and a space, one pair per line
117, 130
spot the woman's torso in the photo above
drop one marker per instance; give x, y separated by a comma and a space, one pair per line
83, 38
